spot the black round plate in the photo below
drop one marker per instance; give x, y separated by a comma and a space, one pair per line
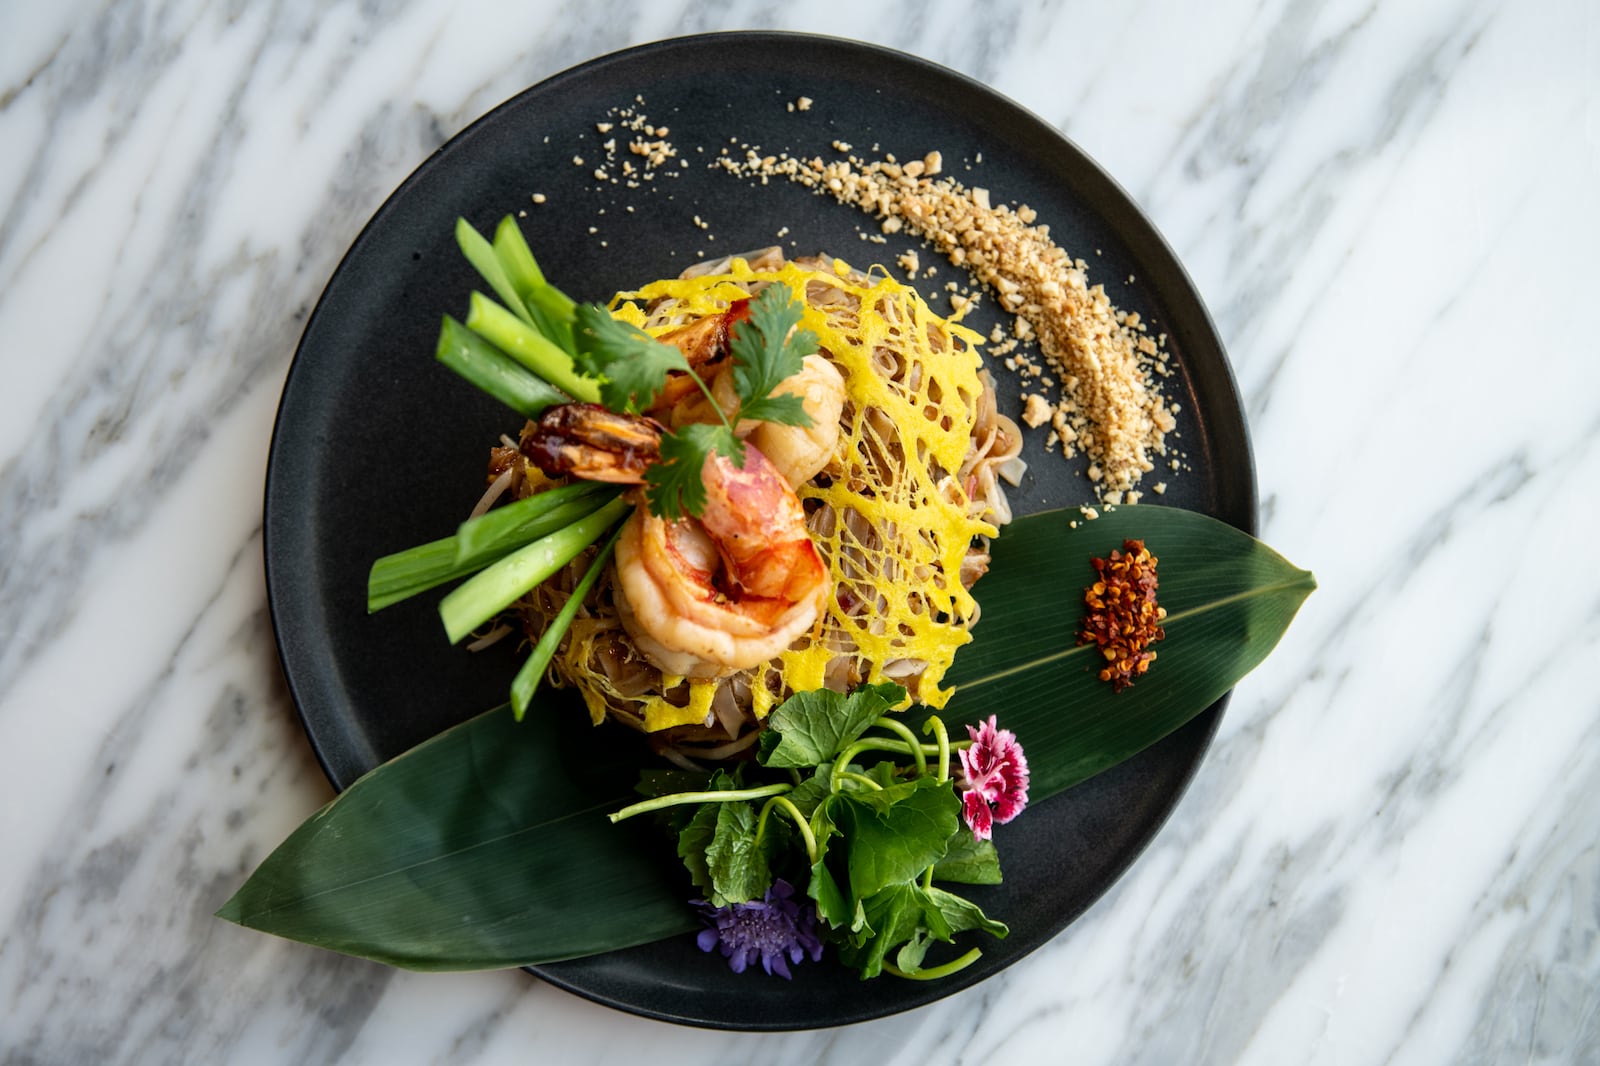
378, 448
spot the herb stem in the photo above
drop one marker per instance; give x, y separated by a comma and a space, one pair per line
712, 400
910, 738
933, 973
935, 725
678, 799
795, 816
477, 543
860, 779
529, 347
493, 590
896, 747
526, 683
859, 746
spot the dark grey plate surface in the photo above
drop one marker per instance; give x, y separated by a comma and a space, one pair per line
378, 448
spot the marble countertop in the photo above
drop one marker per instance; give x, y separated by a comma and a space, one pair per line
1391, 853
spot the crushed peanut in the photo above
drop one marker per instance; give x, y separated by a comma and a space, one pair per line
1036, 410
1110, 406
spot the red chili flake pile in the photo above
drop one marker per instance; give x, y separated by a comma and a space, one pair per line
1124, 618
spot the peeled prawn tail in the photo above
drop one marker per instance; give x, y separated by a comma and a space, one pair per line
593, 443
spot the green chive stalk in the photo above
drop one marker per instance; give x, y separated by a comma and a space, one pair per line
507, 528
526, 683
479, 542
484, 258
502, 584
529, 347
549, 310
492, 371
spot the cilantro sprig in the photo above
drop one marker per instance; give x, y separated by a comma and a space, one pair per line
766, 348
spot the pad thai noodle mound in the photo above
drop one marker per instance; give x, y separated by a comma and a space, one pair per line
841, 554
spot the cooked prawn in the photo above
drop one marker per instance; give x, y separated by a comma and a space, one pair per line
799, 452
701, 597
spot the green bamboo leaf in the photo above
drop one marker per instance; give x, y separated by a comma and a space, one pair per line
1229, 598
485, 847
489, 847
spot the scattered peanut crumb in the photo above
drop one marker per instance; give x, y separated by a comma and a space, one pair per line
1104, 368
1036, 410
538, 198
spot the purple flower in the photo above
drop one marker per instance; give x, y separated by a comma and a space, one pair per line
994, 777
776, 930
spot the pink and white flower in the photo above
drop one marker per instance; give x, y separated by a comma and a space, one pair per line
994, 778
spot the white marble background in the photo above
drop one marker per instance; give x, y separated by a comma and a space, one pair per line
1391, 855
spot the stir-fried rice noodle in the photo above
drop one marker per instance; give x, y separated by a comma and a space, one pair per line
901, 513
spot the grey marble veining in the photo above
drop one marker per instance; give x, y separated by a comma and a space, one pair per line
1392, 852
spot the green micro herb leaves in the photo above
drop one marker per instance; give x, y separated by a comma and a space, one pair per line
868, 839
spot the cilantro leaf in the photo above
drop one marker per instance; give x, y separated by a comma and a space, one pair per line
632, 365
765, 353
811, 728
673, 485
785, 408
766, 348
